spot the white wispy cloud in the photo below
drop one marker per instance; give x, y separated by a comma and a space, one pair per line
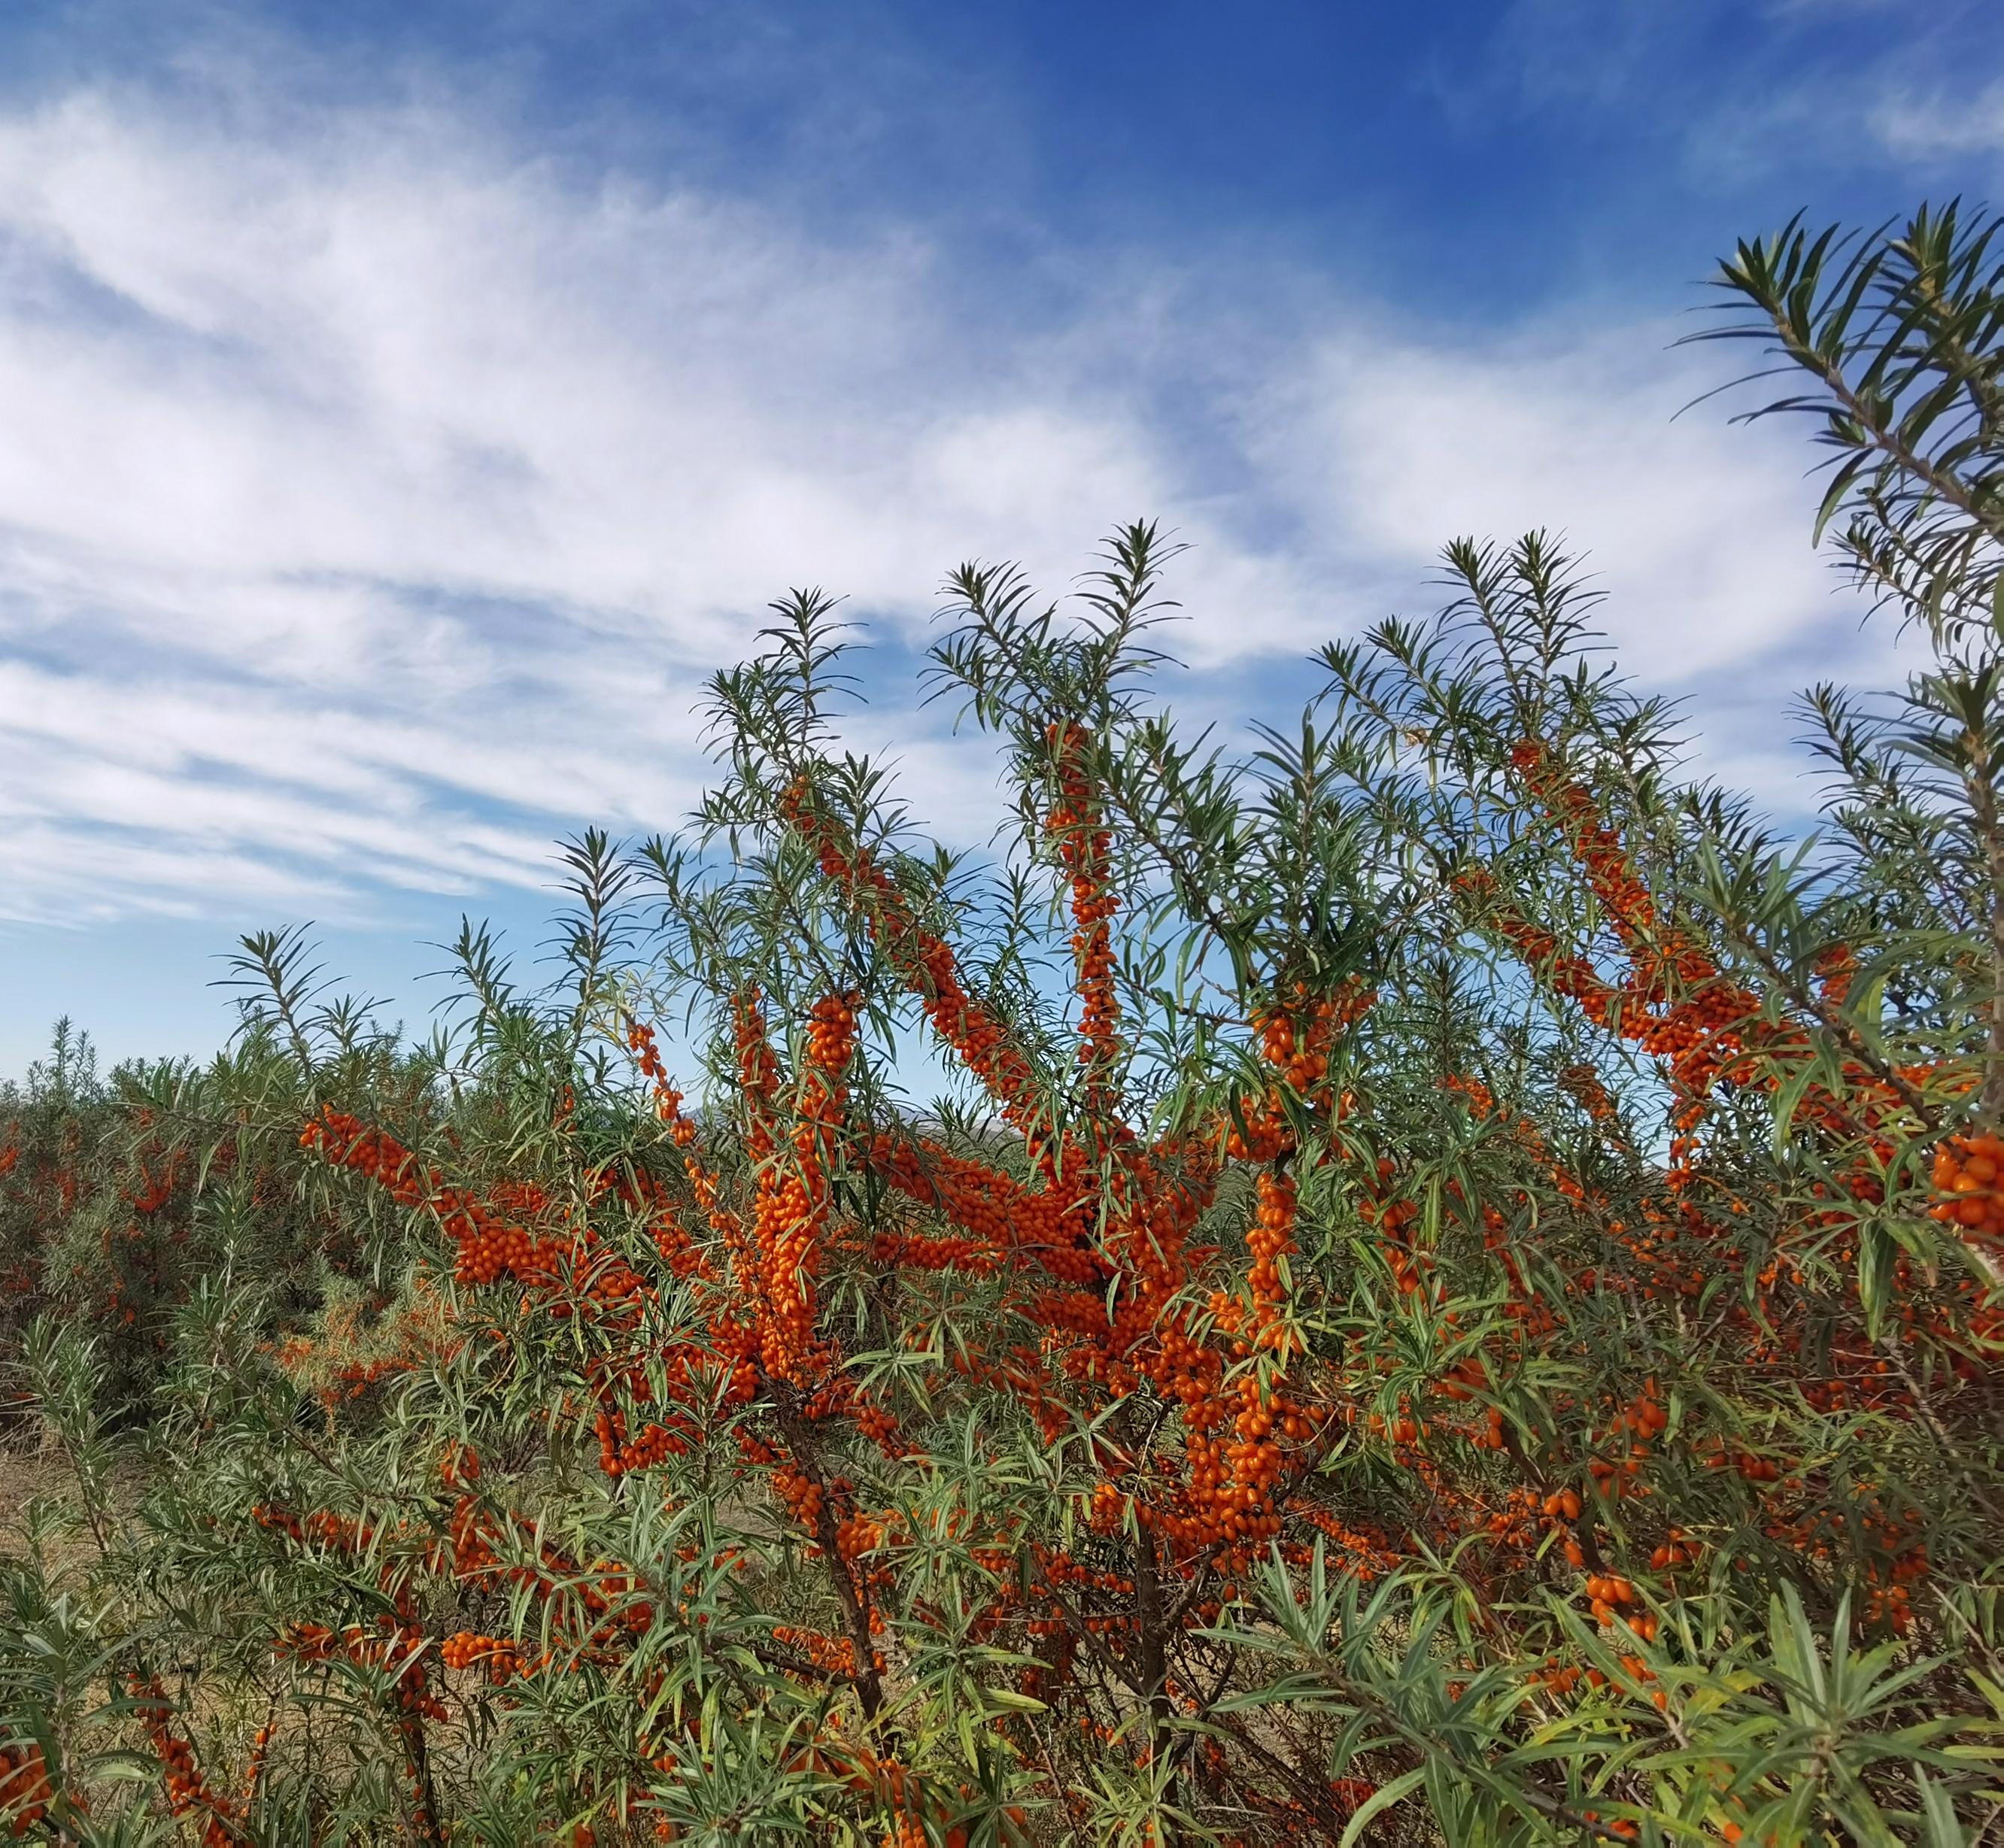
1930, 126
374, 495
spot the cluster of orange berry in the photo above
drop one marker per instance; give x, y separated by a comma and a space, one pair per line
1716, 1455
502, 1660
1633, 1432
1362, 1555
1568, 974
1074, 822
993, 1214
618, 1455
926, 962
25, 1792
775, 1267
1555, 1678
1678, 1549
831, 1032
1585, 1084
155, 1190
1625, 899
1297, 1039
858, 1534
399, 1651
1696, 1029
832, 1655
1890, 1602
804, 1497
188, 1792
1967, 1171
489, 1245
321, 1527
1270, 1243
1607, 1593
1229, 1490
899, 1790
1710, 1027
350, 1358
1561, 1510
785, 1221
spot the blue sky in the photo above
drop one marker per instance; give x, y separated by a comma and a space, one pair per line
403, 406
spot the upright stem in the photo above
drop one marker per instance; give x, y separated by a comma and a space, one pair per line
1154, 1653
1983, 806
855, 1609
424, 1794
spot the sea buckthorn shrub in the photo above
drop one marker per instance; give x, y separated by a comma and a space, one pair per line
97, 1225
1448, 1292
124, 1196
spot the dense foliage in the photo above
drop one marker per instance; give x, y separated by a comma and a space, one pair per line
1452, 1294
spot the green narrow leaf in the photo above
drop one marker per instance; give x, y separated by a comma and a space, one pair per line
1877, 1252
1833, 498
1938, 1813
1381, 1799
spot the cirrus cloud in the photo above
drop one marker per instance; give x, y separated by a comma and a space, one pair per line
375, 495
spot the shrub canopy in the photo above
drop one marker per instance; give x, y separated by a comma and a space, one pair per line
1451, 1293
